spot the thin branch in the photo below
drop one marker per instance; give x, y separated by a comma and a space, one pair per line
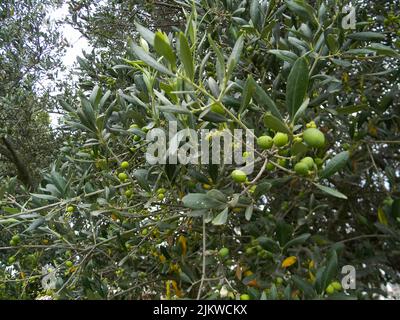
203, 275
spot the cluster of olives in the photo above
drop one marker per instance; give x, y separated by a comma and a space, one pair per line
136, 137
122, 176
312, 137
161, 193
332, 287
15, 240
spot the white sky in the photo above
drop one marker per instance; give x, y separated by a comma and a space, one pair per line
77, 43
74, 37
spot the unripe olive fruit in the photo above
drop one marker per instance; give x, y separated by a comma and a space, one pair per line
314, 138
297, 140
145, 129
265, 142
69, 264
128, 193
224, 252
311, 124
309, 162
11, 260
283, 152
279, 280
246, 154
244, 297
134, 126
124, 165
301, 168
136, 138
336, 285
269, 166
280, 139
330, 289
239, 176
16, 238
122, 176
13, 243
161, 190
144, 232
70, 209
160, 196
282, 162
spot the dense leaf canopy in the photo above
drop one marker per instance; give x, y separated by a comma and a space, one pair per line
324, 193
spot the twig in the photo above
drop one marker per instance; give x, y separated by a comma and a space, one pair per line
204, 261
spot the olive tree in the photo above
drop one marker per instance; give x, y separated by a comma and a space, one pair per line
318, 99
30, 49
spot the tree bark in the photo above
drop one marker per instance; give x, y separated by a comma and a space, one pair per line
23, 172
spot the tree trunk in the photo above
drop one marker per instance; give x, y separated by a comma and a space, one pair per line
23, 172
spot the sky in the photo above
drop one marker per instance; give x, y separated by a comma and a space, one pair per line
74, 37
78, 44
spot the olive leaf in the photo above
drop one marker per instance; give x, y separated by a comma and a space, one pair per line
297, 86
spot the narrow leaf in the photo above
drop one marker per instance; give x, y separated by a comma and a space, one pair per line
297, 85
186, 55
248, 92
298, 240
149, 60
330, 270
220, 66
301, 110
145, 33
285, 55
304, 286
264, 100
249, 212
274, 123
335, 164
235, 55
221, 218
365, 36
331, 191
163, 48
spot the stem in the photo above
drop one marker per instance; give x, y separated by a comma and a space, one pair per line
204, 261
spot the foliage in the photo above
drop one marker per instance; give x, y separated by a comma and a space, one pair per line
30, 51
191, 231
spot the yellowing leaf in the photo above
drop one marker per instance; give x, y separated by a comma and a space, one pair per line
168, 289
178, 292
382, 217
248, 273
289, 261
312, 277
182, 241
